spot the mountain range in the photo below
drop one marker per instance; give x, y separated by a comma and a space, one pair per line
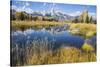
60, 16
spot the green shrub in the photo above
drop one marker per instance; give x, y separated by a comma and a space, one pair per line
87, 47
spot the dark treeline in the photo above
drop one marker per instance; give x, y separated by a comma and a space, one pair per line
25, 16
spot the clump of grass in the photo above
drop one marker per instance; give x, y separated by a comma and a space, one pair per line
84, 29
68, 55
89, 53
73, 55
87, 47
89, 34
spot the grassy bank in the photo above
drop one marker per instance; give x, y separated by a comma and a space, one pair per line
83, 29
22, 25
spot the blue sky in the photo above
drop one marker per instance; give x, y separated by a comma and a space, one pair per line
70, 9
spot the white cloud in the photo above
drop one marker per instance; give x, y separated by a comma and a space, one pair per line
17, 2
93, 15
52, 7
27, 4
23, 3
19, 9
25, 7
53, 4
43, 12
77, 13
28, 10
14, 7
44, 4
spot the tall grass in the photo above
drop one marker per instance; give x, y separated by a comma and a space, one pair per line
41, 52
